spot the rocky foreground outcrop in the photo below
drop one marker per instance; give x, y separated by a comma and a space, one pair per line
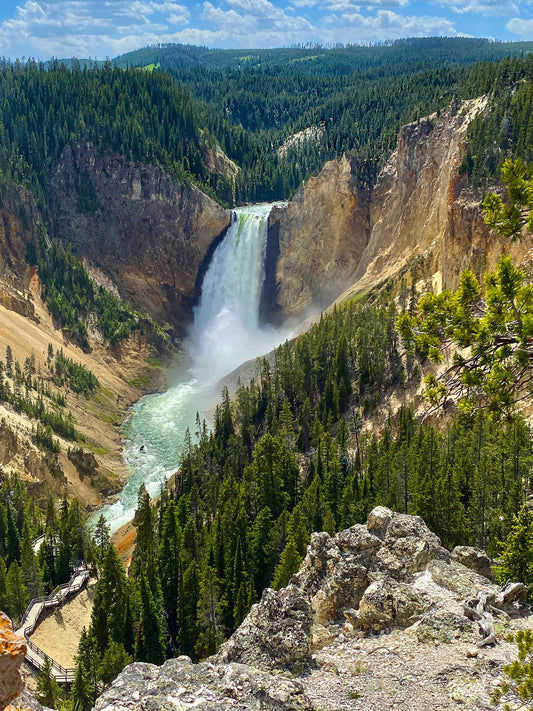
12, 652
390, 574
180, 685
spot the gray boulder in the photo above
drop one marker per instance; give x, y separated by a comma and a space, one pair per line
475, 559
179, 684
275, 634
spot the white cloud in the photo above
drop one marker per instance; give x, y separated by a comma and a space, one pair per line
494, 8
344, 6
389, 25
259, 23
87, 27
304, 3
522, 28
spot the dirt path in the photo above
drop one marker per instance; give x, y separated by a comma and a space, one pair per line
59, 634
395, 670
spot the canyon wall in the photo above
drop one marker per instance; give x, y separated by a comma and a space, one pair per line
337, 237
138, 225
322, 234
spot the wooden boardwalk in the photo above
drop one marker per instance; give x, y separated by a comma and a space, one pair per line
35, 656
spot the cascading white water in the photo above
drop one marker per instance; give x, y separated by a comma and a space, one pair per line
226, 333
226, 323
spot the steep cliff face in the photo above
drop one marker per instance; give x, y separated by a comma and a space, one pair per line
145, 230
322, 234
28, 329
410, 202
19, 225
421, 206
338, 236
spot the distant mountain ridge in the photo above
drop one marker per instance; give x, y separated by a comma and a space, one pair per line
319, 59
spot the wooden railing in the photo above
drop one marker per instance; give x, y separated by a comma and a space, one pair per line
35, 656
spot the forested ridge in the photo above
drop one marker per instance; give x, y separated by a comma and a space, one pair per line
505, 129
356, 97
321, 60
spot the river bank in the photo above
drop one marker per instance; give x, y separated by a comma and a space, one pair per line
124, 373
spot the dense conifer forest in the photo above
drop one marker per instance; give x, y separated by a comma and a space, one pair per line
354, 98
287, 456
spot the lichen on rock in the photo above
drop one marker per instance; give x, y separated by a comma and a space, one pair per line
179, 684
12, 653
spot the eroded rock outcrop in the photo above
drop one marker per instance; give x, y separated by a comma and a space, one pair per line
337, 235
180, 685
12, 653
146, 231
19, 236
390, 573
275, 634
320, 237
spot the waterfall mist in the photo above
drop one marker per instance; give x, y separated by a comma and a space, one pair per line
225, 333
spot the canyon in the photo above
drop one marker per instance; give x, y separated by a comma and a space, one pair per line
149, 240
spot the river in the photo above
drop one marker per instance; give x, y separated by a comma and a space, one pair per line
225, 333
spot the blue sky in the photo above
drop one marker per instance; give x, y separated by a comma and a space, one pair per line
105, 28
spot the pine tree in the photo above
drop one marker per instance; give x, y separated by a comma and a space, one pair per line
102, 539
110, 601
519, 685
150, 645
209, 613
129, 626
28, 562
48, 692
82, 698
169, 567
260, 537
342, 373
241, 604
113, 662
87, 661
189, 593
3, 585
9, 361
517, 550
289, 564
13, 539
16, 593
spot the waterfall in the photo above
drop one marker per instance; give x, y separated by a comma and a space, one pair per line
226, 322
225, 333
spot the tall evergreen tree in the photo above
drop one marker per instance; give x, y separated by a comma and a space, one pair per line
48, 692
150, 644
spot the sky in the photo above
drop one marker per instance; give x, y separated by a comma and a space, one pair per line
106, 28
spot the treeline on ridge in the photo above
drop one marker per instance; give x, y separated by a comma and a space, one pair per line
248, 111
